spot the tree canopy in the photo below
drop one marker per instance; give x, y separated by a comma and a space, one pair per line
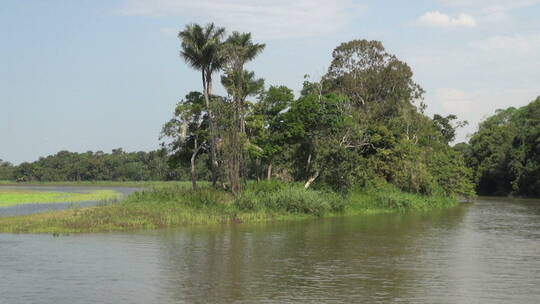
362, 124
505, 152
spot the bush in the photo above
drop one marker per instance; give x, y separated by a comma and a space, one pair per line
266, 186
182, 195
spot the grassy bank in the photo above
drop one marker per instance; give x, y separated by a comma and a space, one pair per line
178, 205
12, 197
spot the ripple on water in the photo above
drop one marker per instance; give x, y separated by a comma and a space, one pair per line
487, 252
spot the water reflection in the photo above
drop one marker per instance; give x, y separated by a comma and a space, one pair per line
346, 259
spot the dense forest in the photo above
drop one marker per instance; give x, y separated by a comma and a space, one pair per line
505, 152
362, 124
94, 166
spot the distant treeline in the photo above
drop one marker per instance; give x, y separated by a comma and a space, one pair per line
95, 166
505, 152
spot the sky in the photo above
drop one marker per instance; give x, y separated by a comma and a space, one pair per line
84, 75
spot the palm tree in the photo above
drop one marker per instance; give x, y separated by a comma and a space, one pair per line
202, 50
239, 49
242, 84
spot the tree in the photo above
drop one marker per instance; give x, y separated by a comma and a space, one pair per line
491, 147
363, 71
239, 49
95, 166
505, 152
264, 127
446, 126
6, 170
202, 50
188, 130
314, 124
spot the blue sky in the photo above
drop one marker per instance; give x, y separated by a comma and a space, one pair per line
96, 75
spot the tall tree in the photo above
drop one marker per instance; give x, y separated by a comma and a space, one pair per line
366, 73
202, 50
264, 126
238, 50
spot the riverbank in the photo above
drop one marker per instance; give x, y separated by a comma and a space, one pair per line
178, 205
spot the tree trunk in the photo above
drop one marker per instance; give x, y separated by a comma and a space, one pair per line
235, 149
311, 180
193, 171
269, 172
207, 86
242, 118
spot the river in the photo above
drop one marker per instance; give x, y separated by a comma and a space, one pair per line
484, 252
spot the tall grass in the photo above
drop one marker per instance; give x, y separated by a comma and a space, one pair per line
290, 198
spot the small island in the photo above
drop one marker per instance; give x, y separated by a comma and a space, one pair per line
357, 141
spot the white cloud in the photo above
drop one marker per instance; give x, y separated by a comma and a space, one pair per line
438, 19
491, 10
476, 105
267, 19
520, 44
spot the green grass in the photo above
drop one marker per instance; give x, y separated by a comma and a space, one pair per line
179, 205
134, 184
12, 197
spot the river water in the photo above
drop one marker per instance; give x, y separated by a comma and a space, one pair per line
485, 252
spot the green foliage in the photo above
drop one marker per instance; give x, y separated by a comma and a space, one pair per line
366, 73
201, 47
444, 125
505, 152
6, 170
98, 166
186, 135
264, 129
358, 124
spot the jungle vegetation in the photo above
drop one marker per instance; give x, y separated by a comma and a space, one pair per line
505, 152
362, 124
